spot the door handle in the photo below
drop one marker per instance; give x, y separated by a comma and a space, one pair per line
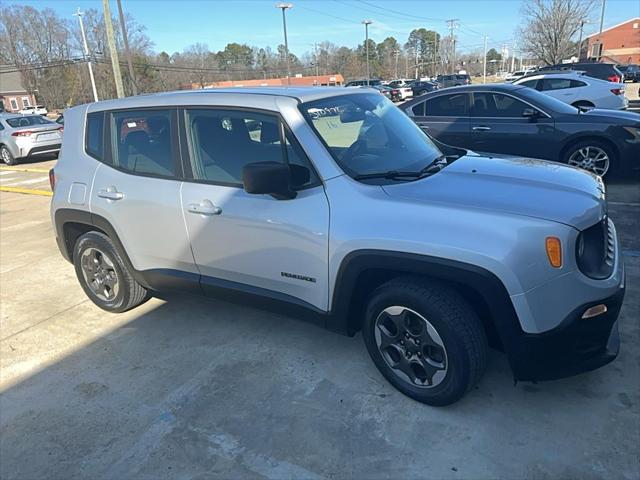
481, 129
422, 125
205, 207
111, 193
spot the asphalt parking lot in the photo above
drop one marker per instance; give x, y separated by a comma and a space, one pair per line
194, 388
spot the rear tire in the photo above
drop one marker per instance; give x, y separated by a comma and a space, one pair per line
103, 275
7, 157
425, 339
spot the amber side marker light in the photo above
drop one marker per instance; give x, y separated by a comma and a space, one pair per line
554, 251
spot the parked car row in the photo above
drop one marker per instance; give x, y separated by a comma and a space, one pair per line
24, 136
508, 119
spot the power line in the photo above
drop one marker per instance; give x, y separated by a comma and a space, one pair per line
387, 10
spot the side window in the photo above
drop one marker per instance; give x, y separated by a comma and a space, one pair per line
556, 83
142, 142
577, 84
222, 142
497, 105
418, 109
447, 106
529, 83
94, 145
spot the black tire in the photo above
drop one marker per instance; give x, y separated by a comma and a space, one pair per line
572, 149
5, 155
128, 294
459, 329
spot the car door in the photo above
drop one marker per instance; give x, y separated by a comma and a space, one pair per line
136, 189
246, 241
559, 88
498, 126
445, 118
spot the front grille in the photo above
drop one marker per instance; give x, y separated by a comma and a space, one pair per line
596, 250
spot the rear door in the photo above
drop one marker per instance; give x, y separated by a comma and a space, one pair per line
561, 88
498, 126
446, 118
247, 241
137, 189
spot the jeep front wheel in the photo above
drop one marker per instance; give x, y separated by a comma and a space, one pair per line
103, 275
425, 339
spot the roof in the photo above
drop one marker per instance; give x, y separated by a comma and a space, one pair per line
633, 19
302, 94
10, 81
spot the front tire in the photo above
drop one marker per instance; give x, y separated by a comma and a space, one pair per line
591, 155
425, 339
103, 275
7, 157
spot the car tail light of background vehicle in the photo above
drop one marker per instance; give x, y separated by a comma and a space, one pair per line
52, 179
614, 79
22, 133
617, 91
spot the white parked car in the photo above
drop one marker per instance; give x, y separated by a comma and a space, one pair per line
578, 90
512, 77
404, 85
34, 110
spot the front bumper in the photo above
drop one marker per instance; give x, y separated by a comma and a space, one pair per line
577, 345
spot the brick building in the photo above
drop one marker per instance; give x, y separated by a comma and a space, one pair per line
620, 43
334, 80
13, 94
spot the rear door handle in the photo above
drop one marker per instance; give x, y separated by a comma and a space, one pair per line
481, 129
111, 193
205, 207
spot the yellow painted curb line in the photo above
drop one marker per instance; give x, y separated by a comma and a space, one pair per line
25, 169
28, 191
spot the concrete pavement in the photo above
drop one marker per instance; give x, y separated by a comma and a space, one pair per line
193, 388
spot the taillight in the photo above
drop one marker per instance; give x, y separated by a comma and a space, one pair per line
52, 179
22, 133
617, 91
61, 129
614, 79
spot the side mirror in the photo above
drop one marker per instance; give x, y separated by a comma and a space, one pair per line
272, 178
530, 113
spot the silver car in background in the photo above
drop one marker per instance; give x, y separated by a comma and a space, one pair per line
24, 136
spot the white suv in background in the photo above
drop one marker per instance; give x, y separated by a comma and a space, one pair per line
34, 110
578, 90
404, 86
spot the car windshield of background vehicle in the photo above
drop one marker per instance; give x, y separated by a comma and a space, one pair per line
367, 134
546, 102
27, 121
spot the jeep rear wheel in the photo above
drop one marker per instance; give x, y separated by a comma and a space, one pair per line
103, 275
425, 339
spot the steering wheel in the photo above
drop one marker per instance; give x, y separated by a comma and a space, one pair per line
357, 148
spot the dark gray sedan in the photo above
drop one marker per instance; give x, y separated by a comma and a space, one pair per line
515, 120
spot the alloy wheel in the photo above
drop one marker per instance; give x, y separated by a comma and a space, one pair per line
593, 159
411, 346
6, 156
99, 273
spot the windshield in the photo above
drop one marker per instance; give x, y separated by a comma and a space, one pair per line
27, 121
546, 102
365, 133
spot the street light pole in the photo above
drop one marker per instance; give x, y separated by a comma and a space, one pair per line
484, 64
366, 46
86, 52
284, 7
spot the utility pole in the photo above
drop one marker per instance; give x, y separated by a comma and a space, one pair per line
396, 53
582, 23
366, 24
315, 54
453, 23
602, 15
435, 55
284, 7
111, 40
127, 51
484, 63
86, 53
416, 77
513, 57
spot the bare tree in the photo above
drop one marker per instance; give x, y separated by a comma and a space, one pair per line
550, 26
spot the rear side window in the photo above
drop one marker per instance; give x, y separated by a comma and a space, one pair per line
555, 83
577, 84
496, 105
142, 142
529, 83
447, 105
418, 109
95, 135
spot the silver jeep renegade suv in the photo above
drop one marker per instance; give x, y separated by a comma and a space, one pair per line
333, 206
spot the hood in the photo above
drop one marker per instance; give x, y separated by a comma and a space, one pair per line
621, 116
519, 186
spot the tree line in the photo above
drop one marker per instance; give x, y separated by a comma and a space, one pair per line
46, 49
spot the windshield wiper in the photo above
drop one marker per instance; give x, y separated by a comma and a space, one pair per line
434, 167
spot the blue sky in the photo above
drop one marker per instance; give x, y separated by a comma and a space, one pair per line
174, 24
